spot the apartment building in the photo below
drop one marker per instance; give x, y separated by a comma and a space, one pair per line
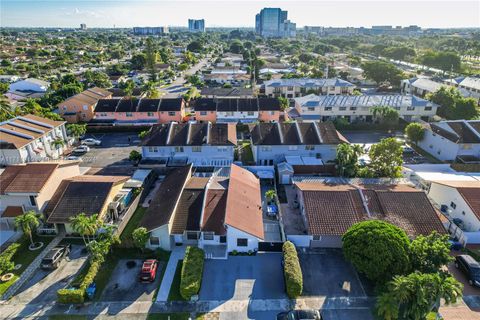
293, 88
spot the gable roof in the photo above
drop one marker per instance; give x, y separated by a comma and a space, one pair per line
394, 101
458, 131
308, 83
88, 97
191, 134
87, 194
226, 92
28, 178
332, 209
296, 133
470, 192
244, 204
165, 200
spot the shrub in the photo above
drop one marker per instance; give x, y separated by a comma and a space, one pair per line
91, 274
192, 271
70, 296
292, 271
6, 263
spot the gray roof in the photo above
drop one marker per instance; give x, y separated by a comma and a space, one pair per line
308, 82
312, 100
467, 82
426, 84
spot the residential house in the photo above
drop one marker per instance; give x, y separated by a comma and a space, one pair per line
237, 93
468, 86
459, 201
360, 108
203, 144
234, 79
81, 107
218, 214
31, 138
139, 111
453, 140
423, 86
116, 80
86, 194
30, 186
29, 85
328, 211
237, 110
272, 143
293, 88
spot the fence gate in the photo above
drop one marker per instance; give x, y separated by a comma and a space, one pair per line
270, 246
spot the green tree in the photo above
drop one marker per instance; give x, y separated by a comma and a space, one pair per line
236, 46
452, 105
76, 130
284, 104
58, 143
466, 108
195, 46
387, 115
270, 195
415, 295
135, 156
445, 61
138, 61
4, 87
140, 237
377, 249
415, 132
143, 134
98, 249
380, 72
151, 58
386, 158
128, 87
97, 79
347, 159
84, 225
428, 254
28, 223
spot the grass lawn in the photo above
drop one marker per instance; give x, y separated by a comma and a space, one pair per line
24, 256
126, 236
111, 261
174, 294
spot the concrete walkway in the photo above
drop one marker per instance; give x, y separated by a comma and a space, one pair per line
31, 268
177, 254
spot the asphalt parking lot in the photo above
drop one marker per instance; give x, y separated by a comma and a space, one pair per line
327, 273
369, 137
114, 150
244, 277
125, 286
43, 285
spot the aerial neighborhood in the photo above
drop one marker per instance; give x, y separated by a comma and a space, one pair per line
274, 172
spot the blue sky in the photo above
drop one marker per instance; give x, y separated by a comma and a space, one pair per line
235, 13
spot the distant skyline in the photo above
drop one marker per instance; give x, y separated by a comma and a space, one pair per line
235, 13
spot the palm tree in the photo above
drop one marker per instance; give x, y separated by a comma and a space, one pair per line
28, 222
85, 225
77, 130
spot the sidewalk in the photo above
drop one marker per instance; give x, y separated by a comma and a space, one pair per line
177, 254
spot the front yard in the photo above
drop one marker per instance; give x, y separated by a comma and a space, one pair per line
24, 257
174, 294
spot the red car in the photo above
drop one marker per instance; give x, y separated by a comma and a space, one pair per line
149, 270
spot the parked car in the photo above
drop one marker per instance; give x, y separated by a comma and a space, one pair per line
73, 158
91, 142
299, 315
470, 267
407, 149
81, 149
54, 257
149, 270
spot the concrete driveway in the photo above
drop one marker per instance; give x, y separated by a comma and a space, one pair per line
125, 286
244, 277
327, 273
43, 285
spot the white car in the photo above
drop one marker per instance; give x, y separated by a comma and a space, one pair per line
73, 158
81, 149
91, 142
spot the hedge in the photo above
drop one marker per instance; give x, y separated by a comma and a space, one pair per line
71, 295
6, 263
292, 271
78, 295
192, 271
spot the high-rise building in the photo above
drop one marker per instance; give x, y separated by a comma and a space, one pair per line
150, 30
83, 26
273, 23
196, 25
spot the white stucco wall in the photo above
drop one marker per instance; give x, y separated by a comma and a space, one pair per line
164, 237
233, 234
439, 146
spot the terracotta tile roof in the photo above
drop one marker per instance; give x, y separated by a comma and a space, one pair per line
12, 212
244, 204
332, 209
188, 212
214, 211
163, 203
87, 194
29, 178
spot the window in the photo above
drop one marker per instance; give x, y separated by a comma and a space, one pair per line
353, 108
223, 239
290, 88
171, 113
410, 108
266, 148
292, 148
152, 149
178, 149
317, 238
222, 149
128, 114
250, 113
150, 114
242, 242
85, 108
428, 108
197, 149
272, 113
342, 108
33, 201
192, 235
453, 205
203, 113
309, 147
328, 108
208, 236
311, 108
154, 241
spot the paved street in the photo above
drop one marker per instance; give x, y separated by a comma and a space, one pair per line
176, 88
368, 137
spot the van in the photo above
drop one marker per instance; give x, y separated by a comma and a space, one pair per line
470, 267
